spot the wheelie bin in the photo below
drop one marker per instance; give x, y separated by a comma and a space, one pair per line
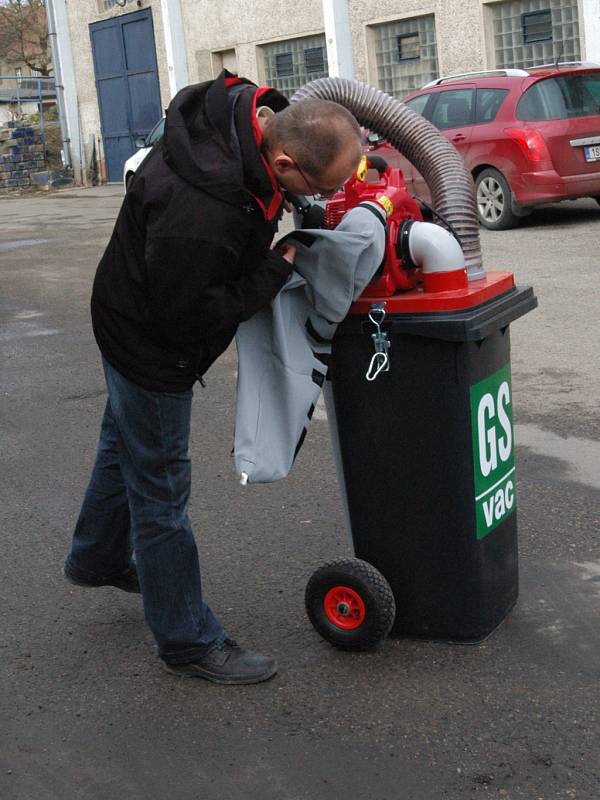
427, 460
420, 407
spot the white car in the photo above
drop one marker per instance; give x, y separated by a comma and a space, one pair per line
144, 143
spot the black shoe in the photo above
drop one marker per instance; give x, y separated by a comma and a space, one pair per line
127, 581
228, 663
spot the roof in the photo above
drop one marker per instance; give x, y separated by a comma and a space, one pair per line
541, 71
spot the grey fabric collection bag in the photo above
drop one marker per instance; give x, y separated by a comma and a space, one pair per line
284, 350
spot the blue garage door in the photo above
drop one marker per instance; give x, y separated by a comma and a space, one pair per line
127, 84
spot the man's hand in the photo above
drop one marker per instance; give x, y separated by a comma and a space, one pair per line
393, 199
287, 251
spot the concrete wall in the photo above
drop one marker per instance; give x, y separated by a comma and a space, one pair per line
230, 34
243, 26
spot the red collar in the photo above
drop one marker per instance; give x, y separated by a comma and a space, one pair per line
277, 199
272, 210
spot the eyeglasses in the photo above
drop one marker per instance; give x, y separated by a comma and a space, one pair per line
318, 194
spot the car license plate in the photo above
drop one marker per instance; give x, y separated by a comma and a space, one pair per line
592, 153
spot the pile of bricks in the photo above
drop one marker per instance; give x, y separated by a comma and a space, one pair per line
21, 153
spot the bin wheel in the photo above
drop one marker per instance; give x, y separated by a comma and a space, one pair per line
350, 604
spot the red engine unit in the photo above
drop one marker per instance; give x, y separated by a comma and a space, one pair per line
394, 276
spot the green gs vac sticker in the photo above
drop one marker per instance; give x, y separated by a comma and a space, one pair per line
493, 450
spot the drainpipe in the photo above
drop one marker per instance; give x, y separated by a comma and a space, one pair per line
175, 45
60, 99
64, 70
591, 29
338, 38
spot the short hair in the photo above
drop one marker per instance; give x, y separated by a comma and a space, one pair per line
315, 131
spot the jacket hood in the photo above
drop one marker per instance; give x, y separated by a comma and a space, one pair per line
215, 149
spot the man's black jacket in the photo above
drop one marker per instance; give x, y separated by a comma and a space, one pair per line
189, 257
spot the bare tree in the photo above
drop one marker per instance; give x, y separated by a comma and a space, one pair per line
24, 35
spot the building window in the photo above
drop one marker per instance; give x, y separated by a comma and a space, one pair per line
408, 46
537, 26
284, 65
224, 59
530, 32
291, 64
405, 54
314, 60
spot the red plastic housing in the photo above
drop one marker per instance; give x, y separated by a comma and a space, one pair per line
417, 301
394, 276
404, 290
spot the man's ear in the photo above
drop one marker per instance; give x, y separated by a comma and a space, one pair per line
283, 163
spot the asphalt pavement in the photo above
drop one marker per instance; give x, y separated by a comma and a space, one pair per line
86, 711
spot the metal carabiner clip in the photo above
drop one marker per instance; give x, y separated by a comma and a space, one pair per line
380, 362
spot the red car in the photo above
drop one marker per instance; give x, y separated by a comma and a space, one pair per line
528, 136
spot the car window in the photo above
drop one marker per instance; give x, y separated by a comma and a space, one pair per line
156, 133
488, 103
453, 109
417, 104
561, 97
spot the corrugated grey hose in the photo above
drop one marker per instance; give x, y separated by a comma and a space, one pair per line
422, 144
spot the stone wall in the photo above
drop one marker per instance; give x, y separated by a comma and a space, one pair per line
21, 154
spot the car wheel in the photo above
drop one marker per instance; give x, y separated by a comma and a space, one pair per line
493, 201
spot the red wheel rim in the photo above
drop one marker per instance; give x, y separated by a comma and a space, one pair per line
344, 608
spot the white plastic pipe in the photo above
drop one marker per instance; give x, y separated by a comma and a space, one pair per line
434, 249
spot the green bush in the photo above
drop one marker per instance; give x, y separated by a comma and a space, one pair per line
50, 115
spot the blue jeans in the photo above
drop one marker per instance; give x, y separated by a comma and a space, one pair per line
136, 503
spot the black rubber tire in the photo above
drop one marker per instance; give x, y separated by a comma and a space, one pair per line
494, 201
374, 591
